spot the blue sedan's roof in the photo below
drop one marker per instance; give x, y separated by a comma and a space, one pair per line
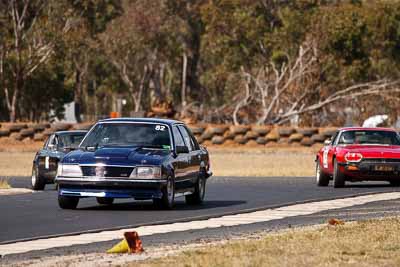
71, 132
144, 120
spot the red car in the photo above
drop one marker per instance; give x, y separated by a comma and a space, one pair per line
359, 154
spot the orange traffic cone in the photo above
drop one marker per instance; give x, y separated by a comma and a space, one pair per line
130, 244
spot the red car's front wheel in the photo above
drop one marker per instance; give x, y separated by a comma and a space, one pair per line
321, 178
338, 176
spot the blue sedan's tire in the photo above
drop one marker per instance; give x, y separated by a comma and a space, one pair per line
37, 181
167, 201
338, 176
199, 191
68, 202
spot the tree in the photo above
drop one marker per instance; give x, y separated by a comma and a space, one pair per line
139, 45
90, 19
189, 28
29, 43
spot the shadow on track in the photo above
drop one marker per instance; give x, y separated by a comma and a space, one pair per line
369, 185
148, 205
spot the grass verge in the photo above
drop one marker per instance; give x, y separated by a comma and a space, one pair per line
4, 184
16, 163
366, 243
277, 162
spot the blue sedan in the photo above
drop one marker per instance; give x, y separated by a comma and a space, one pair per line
135, 158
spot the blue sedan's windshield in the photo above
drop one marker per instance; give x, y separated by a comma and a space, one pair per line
127, 135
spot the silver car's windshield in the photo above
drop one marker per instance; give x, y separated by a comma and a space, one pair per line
70, 140
128, 135
369, 137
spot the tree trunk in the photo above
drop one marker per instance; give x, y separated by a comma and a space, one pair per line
18, 85
143, 82
12, 110
78, 95
184, 75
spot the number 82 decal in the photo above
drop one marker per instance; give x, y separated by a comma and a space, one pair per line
160, 128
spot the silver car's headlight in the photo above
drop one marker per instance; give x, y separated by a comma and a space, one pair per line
146, 173
69, 170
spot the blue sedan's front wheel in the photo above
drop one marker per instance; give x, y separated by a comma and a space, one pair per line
68, 202
167, 200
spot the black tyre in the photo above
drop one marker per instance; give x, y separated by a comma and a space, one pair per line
67, 202
37, 181
322, 179
338, 177
199, 192
167, 200
105, 200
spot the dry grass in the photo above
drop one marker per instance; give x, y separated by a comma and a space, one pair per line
4, 184
224, 162
10, 145
368, 243
282, 162
16, 163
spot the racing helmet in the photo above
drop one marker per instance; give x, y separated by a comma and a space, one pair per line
347, 138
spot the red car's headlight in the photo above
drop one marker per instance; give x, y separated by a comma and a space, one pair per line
353, 157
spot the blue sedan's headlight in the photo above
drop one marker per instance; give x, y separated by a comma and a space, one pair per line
69, 170
146, 173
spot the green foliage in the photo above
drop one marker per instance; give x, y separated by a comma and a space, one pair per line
46, 91
97, 13
357, 41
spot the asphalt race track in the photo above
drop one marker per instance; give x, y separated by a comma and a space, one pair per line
30, 216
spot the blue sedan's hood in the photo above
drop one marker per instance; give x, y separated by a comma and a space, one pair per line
118, 156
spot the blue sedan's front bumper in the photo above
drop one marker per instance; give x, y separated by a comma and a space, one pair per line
111, 188
137, 194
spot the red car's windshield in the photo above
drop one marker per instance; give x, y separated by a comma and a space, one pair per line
369, 137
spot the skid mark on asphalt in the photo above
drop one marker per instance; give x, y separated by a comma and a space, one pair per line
228, 220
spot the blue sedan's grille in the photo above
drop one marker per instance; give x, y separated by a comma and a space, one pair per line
106, 171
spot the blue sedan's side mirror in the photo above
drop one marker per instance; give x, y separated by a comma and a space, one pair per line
181, 149
69, 149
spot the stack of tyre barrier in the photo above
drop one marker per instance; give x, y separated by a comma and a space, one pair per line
209, 135
36, 131
260, 135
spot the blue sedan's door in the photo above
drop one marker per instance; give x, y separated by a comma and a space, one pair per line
182, 167
194, 153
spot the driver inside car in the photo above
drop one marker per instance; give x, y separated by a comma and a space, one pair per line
347, 138
112, 136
